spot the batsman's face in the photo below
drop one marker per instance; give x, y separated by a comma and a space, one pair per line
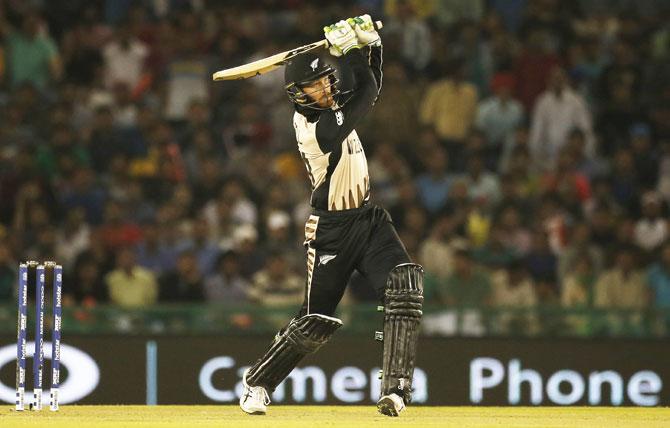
320, 91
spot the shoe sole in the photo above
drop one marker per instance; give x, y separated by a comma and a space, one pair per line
252, 412
386, 407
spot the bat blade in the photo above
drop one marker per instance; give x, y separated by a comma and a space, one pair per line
264, 65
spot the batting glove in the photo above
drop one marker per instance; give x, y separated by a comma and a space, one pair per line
341, 38
365, 30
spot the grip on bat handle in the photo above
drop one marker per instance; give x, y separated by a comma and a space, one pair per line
378, 26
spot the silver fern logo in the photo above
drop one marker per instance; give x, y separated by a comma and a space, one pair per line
326, 258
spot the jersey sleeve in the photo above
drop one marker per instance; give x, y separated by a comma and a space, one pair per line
334, 125
375, 62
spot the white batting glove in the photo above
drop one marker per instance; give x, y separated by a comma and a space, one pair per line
365, 30
341, 37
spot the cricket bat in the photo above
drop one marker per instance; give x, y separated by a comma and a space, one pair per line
270, 63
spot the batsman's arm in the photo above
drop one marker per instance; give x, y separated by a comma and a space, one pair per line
371, 42
334, 126
375, 60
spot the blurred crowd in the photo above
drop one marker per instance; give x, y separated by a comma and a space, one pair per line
522, 148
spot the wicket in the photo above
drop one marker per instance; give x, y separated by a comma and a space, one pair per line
39, 278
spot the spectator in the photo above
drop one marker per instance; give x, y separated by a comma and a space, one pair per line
533, 66
518, 189
88, 284
624, 180
43, 247
500, 115
275, 284
652, 229
514, 289
129, 285
99, 253
587, 62
467, 286
414, 36
394, 118
516, 159
63, 155
116, 232
473, 46
188, 77
558, 111
280, 239
80, 47
185, 283
436, 253
579, 284
163, 160
620, 288
407, 196
496, 253
124, 58
143, 209
459, 206
448, 106
483, 186
245, 243
234, 196
512, 286
386, 167
577, 294
433, 185
227, 284
580, 245
589, 166
151, 251
73, 238
206, 251
568, 185
542, 265
619, 113
105, 140
623, 285
602, 198
513, 233
32, 56
555, 219
84, 192
622, 74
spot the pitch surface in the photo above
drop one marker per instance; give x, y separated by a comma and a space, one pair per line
335, 416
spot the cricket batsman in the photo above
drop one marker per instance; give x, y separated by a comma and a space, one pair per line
345, 232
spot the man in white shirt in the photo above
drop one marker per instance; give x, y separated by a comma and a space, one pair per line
124, 59
557, 112
652, 229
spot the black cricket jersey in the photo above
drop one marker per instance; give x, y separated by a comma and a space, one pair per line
329, 144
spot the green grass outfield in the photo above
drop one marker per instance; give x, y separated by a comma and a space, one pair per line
335, 416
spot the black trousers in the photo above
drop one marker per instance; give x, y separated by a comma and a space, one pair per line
339, 243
